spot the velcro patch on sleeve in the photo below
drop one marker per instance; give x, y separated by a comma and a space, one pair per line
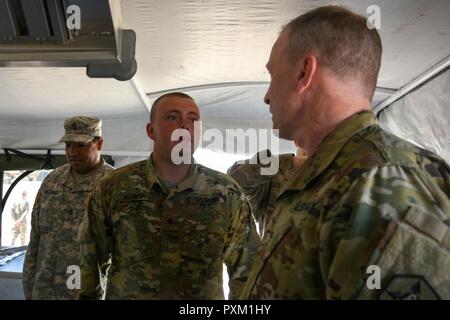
409, 287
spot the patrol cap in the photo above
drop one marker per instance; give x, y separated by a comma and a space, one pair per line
81, 129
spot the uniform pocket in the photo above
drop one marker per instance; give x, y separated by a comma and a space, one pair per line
45, 225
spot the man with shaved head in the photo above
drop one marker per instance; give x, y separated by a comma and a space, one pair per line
168, 225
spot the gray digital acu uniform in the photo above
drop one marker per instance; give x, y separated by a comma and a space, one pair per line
58, 210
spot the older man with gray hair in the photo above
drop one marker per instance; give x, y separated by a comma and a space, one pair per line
367, 215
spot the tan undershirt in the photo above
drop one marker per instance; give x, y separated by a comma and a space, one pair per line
84, 178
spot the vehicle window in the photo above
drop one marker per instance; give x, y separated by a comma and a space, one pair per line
16, 217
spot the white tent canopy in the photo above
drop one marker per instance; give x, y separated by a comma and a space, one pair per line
216, 51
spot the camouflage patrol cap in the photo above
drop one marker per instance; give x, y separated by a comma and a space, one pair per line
81, 129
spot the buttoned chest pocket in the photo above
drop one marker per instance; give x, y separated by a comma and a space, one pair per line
136, 228
52, 204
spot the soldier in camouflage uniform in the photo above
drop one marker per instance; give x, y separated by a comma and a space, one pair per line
19, 213
261, 189
58, 210
168, 228
367, 215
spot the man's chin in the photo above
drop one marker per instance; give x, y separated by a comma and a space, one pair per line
280, 133
180, 160
181, 153
276, 129
74, 164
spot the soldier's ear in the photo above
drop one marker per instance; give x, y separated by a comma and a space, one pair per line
150, 131
100, 144
306, 71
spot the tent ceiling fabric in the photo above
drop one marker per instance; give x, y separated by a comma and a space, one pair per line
196, 43
415, 35
430, 130
188, 43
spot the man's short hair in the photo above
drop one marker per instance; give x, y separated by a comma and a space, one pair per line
342, 41
164, 96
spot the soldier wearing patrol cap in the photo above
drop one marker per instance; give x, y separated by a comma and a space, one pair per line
82, 129
168, 227
58, 210
367, 215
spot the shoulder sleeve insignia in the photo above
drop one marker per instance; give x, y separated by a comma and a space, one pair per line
408, 287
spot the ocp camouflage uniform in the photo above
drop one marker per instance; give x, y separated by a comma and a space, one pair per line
166, 243
366, 206
57, 213
261, 190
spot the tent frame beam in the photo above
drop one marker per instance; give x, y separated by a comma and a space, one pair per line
421, 79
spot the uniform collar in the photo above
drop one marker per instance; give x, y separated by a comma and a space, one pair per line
190, 178
70, 182
150, 173
186, 183
329, 148
286, 163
